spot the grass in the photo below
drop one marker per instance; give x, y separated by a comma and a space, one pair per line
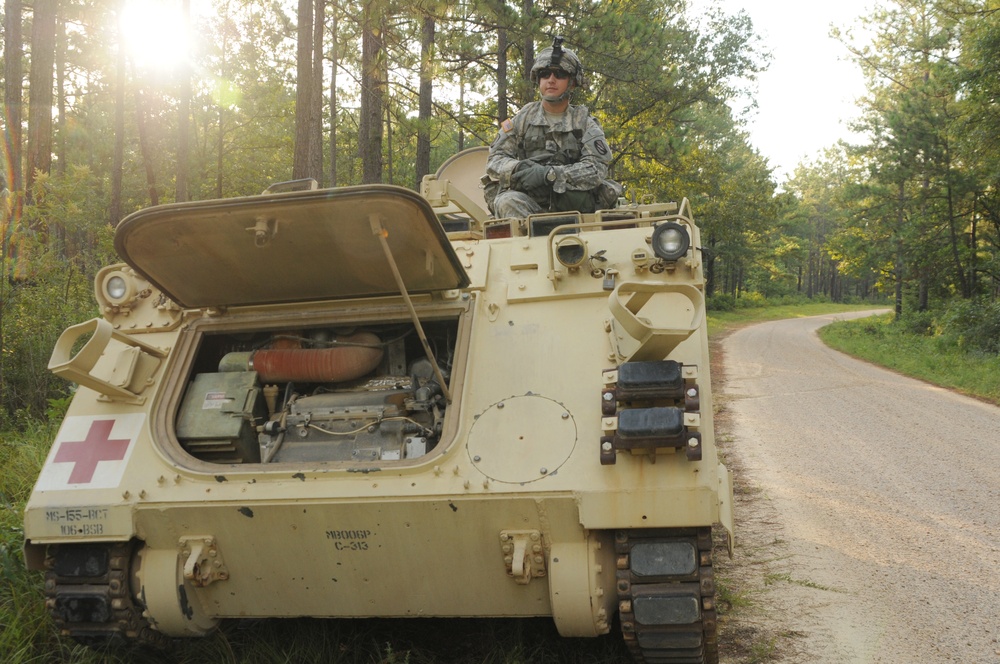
930, 358
805, 583
763, 651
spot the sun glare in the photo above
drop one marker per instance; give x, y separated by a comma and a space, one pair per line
155, 33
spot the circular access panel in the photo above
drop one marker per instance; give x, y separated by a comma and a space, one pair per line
522, 439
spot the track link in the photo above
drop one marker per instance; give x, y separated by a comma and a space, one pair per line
88, 594
666, 595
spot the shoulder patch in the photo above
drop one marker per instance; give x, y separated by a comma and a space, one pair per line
601, 147
507, 126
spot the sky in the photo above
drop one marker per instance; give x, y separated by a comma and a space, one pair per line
806, 97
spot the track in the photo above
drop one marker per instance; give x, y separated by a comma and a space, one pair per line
88, 593
667, 617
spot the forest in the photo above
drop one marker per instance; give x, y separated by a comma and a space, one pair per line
110, 106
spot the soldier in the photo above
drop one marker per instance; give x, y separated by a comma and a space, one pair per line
552, 155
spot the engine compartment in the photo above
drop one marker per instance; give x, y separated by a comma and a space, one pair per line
365, 394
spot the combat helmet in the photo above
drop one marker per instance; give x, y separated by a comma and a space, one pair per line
557, 56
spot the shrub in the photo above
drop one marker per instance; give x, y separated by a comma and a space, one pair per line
61, 242
973, 325
751, 300
875, 326
918, 322
721, 302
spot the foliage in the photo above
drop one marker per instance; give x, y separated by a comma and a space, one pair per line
919, 205
48, 287
720, 302
972, 325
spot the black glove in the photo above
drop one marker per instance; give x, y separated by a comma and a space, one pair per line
528, 175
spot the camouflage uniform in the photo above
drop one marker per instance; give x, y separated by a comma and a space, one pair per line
574, 144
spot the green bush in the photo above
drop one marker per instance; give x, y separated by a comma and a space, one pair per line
973, 325
874, 326
751, 301
721, 302
918, 322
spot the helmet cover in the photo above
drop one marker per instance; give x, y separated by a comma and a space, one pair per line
554, 56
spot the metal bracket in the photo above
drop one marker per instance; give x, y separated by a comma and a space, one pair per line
203, 563
523, 554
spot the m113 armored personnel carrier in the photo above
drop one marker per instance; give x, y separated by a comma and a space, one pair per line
371, 402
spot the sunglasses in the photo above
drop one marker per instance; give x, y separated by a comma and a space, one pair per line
561, 74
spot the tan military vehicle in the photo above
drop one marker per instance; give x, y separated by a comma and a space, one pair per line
323, 403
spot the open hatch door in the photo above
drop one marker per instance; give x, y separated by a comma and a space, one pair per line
291, 247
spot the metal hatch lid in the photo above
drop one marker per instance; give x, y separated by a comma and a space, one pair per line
290, 247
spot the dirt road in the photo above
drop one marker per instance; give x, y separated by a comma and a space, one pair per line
868, 523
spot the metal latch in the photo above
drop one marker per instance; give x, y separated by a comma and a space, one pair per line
203, 563
523, 554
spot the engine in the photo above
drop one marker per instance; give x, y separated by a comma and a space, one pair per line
321, 395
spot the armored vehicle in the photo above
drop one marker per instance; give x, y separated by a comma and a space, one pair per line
369, 401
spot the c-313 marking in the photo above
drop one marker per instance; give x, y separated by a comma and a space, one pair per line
349, 540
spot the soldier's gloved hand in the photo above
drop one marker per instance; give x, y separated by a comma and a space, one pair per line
528, 176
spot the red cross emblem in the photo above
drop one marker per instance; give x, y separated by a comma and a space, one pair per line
87, 453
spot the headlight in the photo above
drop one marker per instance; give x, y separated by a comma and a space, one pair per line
670, 241
118, 288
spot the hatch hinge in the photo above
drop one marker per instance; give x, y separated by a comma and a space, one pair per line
523, 554
203, 563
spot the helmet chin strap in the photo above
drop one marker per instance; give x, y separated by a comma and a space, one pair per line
563, 97
555, 100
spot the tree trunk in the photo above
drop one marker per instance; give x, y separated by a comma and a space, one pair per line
316, 105
183, 121
973, 277
810, 275
10, 191
220, 141
303, 91
333, 94
118, 159
13, 89
423, 158
527, 93
388, 139
502, 112
900, 219
220, 150
144, 147
953, 237
40, 84
709, 257
61, 96
372, 87
461, 113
